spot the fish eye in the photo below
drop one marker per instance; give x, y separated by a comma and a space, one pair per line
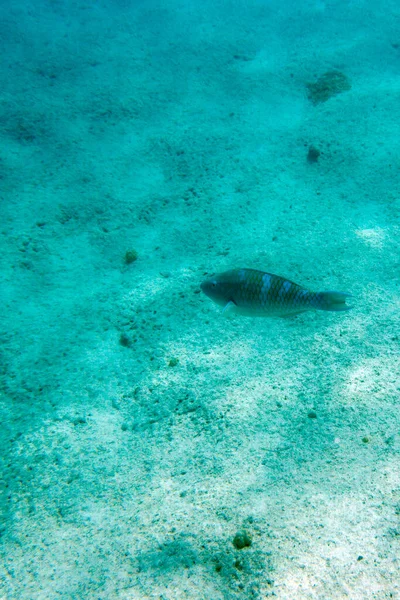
214, 284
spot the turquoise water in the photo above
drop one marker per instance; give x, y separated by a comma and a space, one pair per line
152, 447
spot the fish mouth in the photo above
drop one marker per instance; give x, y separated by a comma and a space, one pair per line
205, 287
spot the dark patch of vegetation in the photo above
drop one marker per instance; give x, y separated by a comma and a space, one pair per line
328, 85
313, 154
130, 256
242, 540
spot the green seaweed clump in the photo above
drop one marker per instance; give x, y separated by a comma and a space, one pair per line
130, 256
328, 85
242, 540
313, 154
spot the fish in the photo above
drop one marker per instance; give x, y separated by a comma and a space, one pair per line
255, 293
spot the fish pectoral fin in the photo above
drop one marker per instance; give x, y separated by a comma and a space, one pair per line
228, 307
293, 314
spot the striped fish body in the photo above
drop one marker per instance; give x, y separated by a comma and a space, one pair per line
256, 293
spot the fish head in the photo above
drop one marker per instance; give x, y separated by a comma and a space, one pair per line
219, 289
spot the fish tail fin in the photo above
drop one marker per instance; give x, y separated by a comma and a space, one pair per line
335, 301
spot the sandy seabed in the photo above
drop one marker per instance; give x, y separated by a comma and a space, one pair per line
143, 433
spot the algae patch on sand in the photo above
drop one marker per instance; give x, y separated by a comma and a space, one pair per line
328, 85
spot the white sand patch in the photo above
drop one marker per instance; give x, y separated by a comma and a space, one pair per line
375, 238
377, 378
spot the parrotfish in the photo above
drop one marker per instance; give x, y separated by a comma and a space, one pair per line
259, 294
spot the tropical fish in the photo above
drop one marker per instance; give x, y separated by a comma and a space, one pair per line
259, 294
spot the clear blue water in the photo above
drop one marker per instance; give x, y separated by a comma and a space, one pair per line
150, 446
